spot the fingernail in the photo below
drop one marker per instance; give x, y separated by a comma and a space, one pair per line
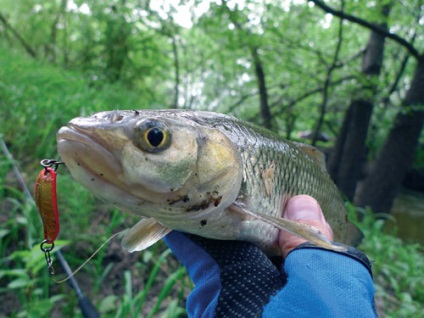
303, 207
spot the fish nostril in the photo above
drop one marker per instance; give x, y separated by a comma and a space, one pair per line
116, 118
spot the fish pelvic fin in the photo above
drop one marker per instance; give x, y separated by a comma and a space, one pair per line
308, 232
144, 234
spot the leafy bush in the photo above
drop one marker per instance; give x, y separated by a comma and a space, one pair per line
398, 268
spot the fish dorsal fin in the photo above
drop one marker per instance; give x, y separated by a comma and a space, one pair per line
308, 232
313, 153
144, 234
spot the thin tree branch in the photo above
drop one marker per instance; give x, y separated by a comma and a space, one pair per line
176, 70
399, 75
402, 68
241, 100
292, 103
376, 28
27, 47
307, 94
323, 106
307, 48
259, 71
51, 47
263, 92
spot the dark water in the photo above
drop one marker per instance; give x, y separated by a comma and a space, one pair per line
408, 212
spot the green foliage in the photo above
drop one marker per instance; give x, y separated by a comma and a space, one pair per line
26, 277
211, 66
398, 268
37, 99
131, 305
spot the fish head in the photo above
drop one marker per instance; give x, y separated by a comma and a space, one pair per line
158, 164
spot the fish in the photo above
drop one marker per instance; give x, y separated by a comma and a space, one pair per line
203, 173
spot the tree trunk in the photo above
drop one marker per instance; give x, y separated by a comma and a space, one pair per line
380, 187
51, 46
176, 71
259, 71
345, 164
353, 151
263, 94
116, 43
325, 90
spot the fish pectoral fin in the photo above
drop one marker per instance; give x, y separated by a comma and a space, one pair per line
144, 234
308, 232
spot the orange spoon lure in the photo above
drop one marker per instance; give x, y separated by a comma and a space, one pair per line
46, 200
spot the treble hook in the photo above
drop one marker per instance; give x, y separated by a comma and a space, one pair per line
47, 163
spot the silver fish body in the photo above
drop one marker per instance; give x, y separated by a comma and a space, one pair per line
197, 171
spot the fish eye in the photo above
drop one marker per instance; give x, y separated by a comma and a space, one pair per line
152, 136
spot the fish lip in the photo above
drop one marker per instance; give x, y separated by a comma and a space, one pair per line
75, 137
74, 133
81, 139
77, 134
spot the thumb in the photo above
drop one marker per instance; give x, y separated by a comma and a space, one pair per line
303, 209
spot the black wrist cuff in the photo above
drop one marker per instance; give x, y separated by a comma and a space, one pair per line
349, 252
248, 278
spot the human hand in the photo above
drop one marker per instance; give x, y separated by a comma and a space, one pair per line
234, 278
303, 209
237, 277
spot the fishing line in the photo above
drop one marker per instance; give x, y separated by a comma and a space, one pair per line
88, 259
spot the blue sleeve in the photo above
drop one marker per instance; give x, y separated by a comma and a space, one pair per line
323, 284
203, 271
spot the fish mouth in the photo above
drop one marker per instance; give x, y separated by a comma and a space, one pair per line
90, 162
78, 148
72, 134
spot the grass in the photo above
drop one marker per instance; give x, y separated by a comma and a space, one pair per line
35, 100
